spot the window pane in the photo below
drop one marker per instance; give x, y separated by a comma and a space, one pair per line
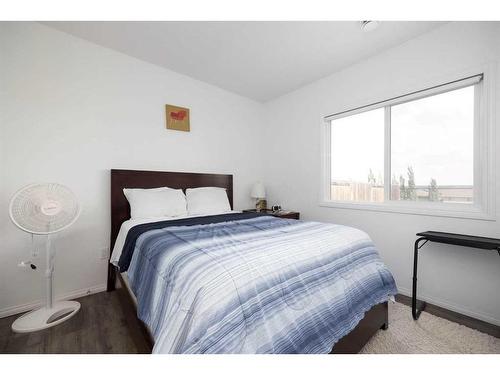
357, 157
432, 148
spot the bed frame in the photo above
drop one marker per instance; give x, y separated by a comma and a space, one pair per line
375, 319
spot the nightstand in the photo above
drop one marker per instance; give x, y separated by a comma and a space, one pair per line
282, 214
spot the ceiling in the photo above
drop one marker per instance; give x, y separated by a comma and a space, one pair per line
259, 60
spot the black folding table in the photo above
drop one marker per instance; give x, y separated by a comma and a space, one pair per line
449, 238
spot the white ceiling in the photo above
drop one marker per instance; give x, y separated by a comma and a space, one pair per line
259, 60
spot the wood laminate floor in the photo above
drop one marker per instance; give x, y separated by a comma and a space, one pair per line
99, 327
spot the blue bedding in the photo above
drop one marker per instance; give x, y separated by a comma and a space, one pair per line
253, 284
134, 233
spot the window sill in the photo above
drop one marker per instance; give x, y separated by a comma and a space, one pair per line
470, 212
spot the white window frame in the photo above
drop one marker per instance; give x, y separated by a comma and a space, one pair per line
483, 207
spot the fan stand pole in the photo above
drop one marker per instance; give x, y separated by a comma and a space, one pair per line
49, 272
53, 312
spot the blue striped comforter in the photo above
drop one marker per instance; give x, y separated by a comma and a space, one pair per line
259, 285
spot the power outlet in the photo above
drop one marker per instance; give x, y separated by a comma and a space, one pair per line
104, 253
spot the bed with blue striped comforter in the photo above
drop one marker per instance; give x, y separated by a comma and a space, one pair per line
255, 285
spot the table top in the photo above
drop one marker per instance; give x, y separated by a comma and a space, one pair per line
486, 243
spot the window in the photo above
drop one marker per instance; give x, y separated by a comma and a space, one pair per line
432, 148
357, 162
417, 150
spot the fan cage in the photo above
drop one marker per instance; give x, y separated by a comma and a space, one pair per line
26, 213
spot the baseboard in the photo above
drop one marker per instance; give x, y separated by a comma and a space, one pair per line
33, 305
452, 307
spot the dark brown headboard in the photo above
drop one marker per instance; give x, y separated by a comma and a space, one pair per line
122, 178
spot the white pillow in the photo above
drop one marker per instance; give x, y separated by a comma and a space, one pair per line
207, 201
146, 203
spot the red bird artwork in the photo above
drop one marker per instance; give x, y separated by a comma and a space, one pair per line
179, 115
177, 118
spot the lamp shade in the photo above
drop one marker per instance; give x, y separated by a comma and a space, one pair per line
258, 190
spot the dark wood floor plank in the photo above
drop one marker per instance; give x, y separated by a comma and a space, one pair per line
99, 327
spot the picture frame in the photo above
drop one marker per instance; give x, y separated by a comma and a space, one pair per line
177, 118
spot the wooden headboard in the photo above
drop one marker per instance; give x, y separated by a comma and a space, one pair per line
123, 178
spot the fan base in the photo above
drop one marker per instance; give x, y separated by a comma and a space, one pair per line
44, 317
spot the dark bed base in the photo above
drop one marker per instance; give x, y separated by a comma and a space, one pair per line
375, 319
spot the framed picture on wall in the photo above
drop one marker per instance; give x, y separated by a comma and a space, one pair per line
177, 118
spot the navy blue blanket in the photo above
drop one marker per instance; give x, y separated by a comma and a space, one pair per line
135, 232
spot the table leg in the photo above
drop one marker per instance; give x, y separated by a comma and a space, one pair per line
416, 306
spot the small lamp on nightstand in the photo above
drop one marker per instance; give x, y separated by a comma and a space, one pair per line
259, 193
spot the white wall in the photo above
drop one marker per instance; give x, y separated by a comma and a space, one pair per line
462, 279
71, 110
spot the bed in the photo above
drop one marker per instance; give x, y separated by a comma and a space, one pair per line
283, 292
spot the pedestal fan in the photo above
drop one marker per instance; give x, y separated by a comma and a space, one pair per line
45, 209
